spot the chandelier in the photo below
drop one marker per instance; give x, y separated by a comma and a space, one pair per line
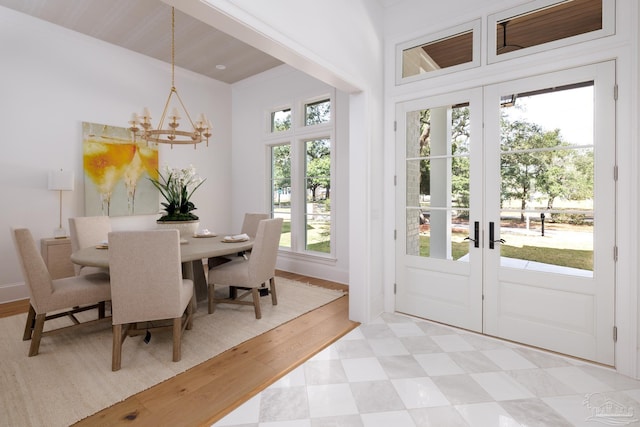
141, 124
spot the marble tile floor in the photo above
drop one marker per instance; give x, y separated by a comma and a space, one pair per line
400, 371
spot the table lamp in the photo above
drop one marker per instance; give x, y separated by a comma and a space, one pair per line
60, 181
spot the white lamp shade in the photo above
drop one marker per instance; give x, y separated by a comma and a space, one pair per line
61, 180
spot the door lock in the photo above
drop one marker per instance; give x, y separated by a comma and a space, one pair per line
493, 241
476, 235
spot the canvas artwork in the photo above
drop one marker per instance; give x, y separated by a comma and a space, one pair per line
117, 172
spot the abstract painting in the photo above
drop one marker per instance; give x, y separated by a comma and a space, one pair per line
117, 172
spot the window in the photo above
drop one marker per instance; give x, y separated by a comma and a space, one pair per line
317, 112
281, 190
318, 201
301, 177
281, 120
453, 49
547, 24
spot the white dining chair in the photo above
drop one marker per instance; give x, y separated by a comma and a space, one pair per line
147, 286
250, 275
85, 232
55, 298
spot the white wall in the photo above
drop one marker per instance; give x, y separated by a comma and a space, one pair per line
340, 43
53, 79
252, 99
413, 18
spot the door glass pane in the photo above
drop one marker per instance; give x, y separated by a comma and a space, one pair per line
437, 182
547, 175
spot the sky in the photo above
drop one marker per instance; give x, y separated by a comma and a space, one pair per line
571, 111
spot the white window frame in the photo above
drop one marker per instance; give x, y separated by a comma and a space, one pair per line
473, 26
608, 29
296, 137
303, 111
268, 122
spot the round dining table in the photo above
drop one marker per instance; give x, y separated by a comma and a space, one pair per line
193, 250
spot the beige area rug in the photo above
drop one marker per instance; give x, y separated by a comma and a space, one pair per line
71, 377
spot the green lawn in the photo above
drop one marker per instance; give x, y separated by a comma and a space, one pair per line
545, 251
567, 252
318, 236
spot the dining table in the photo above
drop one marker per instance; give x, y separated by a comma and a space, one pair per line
193, 251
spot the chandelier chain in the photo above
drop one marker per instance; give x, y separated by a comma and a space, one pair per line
173, 46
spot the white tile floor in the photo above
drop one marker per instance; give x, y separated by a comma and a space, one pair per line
400, 371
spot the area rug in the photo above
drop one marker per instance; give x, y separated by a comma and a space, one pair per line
71, 377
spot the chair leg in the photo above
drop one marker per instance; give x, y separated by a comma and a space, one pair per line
255, 292
177, 332
272, 289
211, 298
28, 327
37, 334
116, 352
191, 308
101, 310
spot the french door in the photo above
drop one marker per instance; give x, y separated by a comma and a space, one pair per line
506, 210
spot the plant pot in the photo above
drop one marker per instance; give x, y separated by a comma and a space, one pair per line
186, 228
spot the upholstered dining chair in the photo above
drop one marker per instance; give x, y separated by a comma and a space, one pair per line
250, 223
250, 228
249, 275
87, 231
147, 286
55, 298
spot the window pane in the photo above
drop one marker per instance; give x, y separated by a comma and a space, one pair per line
435, 55
317, 112
281, 190
560, 21
281, 120
318, 200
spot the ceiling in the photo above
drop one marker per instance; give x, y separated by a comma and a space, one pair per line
144, 26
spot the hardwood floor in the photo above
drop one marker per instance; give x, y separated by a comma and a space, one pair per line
13, 308
207, 392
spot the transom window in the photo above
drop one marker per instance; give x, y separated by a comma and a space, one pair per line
317, 112
453, 49
281, 120
546, 24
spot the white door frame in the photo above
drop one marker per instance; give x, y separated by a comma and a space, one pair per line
439, 266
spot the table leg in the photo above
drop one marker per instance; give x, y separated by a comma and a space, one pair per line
193, 270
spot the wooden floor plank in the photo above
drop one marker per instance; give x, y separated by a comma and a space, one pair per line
14, 307
241, 372
209, 391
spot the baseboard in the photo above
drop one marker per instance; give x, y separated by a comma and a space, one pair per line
13, 292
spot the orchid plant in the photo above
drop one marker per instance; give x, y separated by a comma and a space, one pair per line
177, 186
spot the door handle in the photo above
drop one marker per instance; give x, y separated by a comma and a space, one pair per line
492, 241
476, 235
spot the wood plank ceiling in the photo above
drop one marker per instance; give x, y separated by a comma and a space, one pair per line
144, 26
